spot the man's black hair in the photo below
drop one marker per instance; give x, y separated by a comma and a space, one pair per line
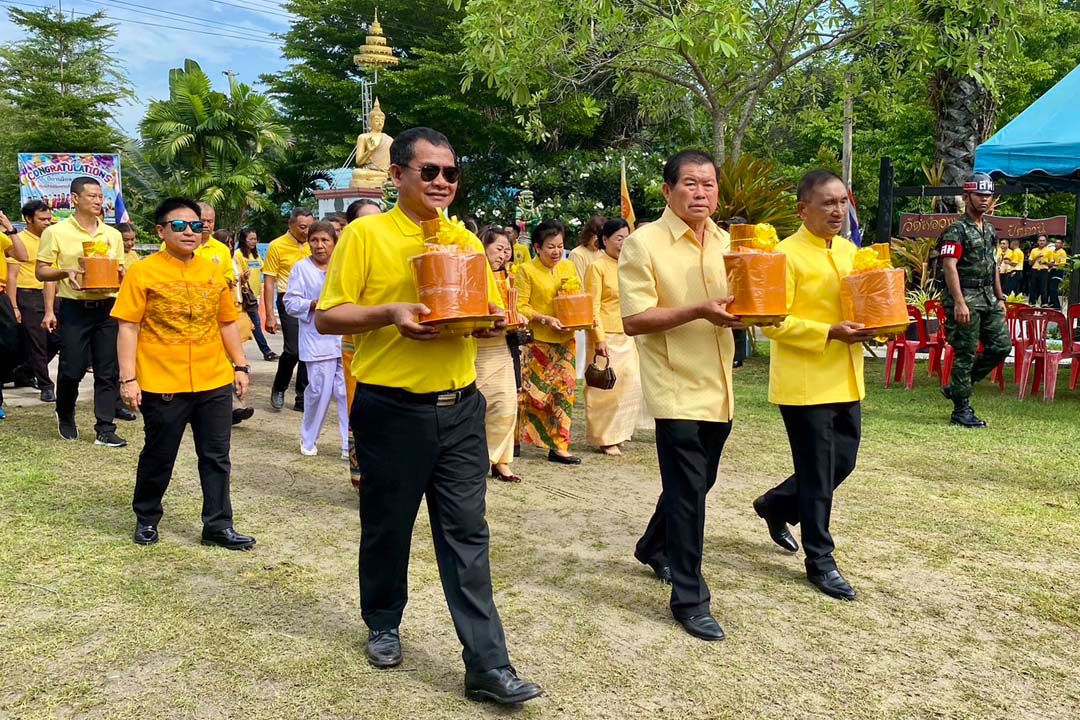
404, 145
79, 183
812, 180
33, 207
300, 212
673, 167
168, 205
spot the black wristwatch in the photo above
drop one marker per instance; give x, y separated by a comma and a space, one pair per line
242, 368
12, 231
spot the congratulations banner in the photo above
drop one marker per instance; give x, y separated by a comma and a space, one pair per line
47, 177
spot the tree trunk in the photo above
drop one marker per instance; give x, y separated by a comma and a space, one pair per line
719, 130
965, 111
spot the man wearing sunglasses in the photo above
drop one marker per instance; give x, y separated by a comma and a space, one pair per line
417, 422
181, 360
87, 332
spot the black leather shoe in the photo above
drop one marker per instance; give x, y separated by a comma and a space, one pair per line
501, 685
48, 395
384, 648
833, 584
124, 414
298, 406
110, 439
659, 567
271, 356
277, 399
703, 627
778, 529
239, 415
567, 460
228, 539
145, 534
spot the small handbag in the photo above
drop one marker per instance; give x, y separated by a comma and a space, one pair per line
597, 378
248, 301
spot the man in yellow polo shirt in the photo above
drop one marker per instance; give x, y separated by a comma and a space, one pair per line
418, 423
1041, 258
87, 331
1059, 257
673, 292
41, 346
816, 377
281, 255
181, 359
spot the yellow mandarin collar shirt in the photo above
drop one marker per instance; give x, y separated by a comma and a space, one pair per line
1040, 258
61, 247
685, 372
370, 266
583, 257
537, 286
130, 258
1060, 257
805, 367
27, 280
180, 307
281, 255
602, 282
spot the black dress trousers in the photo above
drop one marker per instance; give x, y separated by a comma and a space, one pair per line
824, 443
406, 451
290, 353
689, 453
41, 346
88, 339
165, 417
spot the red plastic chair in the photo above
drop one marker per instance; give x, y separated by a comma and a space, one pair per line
902, 350
1016, 335
1045, 361
1074, 351
935, 344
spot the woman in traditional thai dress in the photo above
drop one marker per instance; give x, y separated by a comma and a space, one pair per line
495, 369
548, 372
611, 415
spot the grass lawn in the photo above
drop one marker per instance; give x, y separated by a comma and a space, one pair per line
962, 545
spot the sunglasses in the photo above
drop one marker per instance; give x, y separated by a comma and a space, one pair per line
430, 172
178, 226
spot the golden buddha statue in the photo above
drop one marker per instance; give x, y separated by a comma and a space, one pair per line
372, 153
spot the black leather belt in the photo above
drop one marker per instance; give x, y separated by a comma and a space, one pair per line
444, 398
89, 303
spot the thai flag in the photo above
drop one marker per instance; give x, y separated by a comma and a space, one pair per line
121, 210
853, 220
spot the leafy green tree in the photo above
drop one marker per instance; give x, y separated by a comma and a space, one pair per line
60, 89
712, 58
213, 146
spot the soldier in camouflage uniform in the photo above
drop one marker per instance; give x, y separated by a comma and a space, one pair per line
974, 302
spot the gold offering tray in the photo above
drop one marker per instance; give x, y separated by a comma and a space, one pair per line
762, 319
887, 331
575, 328
464, 325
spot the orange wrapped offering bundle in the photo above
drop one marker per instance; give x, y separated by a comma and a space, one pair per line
873, 294
100, 271
451, 276
757, 277
573, 308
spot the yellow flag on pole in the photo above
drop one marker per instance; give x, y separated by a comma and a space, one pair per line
627, 208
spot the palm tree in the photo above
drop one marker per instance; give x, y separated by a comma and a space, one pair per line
214, 147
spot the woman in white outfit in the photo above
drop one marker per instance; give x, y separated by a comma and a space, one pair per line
321, 354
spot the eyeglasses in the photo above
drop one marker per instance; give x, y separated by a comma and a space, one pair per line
178, 226
429, 172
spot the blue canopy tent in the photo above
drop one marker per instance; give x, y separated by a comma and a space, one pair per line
1039, 150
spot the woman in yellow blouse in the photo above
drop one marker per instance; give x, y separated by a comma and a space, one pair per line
548, 373
495, 370
249, 269
588, 249
611, 415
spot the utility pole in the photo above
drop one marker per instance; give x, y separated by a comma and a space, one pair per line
845, 157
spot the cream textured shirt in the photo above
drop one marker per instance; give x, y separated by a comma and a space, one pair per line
686, 371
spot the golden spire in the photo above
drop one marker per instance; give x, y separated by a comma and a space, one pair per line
374, 53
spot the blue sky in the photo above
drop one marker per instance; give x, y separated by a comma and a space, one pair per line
233, 35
